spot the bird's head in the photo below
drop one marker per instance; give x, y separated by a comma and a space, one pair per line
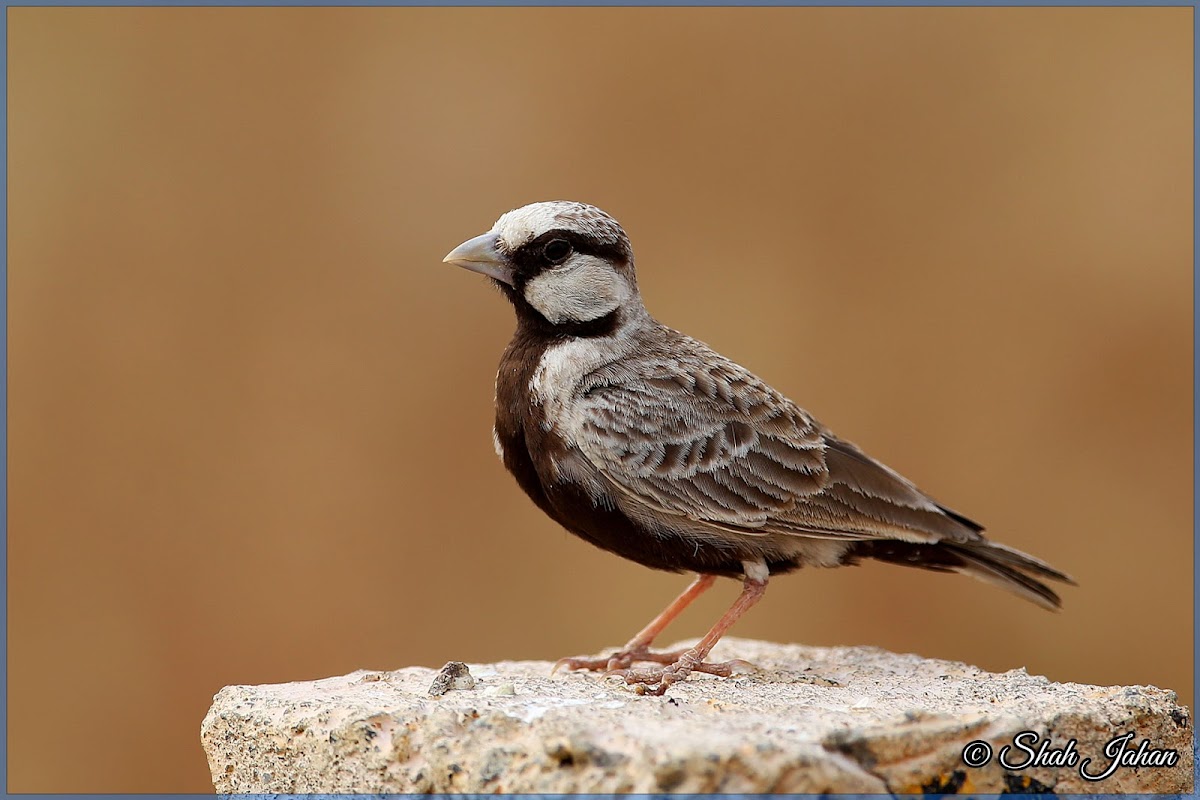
564, 265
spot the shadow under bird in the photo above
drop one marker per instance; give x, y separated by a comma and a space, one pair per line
647, 443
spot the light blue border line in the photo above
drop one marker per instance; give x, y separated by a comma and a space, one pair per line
600, 4
4, 413
615, 796
621, 796
603, 4
1195, 385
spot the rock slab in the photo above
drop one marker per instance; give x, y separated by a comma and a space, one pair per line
811, 720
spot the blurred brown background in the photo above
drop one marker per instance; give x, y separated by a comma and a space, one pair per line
251, 410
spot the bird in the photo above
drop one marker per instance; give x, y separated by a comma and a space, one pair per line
647, 443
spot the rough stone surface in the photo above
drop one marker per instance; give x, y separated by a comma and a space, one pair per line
811, 719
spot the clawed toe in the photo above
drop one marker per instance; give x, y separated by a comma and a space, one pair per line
645, 681
594, 664
726, 669
665, 658
618, 661
573, 663
656, 680
676, 666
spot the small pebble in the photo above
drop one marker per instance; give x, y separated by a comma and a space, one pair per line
454, 675
501, 690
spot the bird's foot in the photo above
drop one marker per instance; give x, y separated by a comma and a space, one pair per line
656, 680
618, 661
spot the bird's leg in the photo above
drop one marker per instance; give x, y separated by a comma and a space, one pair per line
656, 681
638, 648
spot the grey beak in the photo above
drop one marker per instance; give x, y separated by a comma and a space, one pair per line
482, 255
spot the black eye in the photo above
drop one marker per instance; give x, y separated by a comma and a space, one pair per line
557, 251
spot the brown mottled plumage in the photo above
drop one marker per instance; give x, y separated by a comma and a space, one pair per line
647, 443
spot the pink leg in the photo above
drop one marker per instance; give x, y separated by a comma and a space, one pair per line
648, 634
656, 681
638, 648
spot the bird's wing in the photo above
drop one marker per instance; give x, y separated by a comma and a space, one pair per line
705, 439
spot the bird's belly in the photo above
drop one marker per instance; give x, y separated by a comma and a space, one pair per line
573, 494
601, 522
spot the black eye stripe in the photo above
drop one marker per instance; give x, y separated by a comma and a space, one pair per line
529, 258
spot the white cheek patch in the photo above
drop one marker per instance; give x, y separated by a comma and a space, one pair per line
587, 290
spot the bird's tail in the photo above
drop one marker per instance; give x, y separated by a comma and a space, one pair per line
988, 561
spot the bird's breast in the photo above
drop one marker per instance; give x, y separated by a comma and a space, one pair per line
555, 381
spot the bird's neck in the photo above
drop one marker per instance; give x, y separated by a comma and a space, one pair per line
532, 325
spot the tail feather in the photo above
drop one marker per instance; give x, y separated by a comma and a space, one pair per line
987, 561
1000, 571
1011, 557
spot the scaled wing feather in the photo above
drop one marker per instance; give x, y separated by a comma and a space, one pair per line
698, 436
